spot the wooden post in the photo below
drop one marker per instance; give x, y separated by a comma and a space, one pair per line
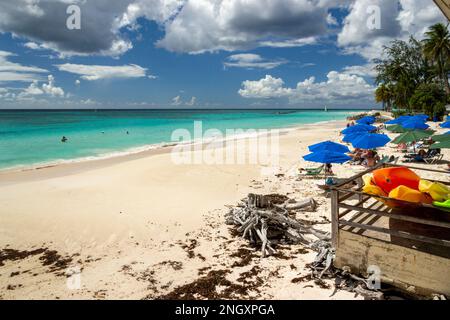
360, 185
334, 217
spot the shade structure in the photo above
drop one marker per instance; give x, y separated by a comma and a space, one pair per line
415, 124
396, 128
412, 136
371, 141
441, 137
352, 136
366, 120
393, 121
441, 145
327, 157
445, 124
359, 128
422, 117
329, 146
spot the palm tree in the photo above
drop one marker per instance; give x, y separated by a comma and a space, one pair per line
436, 48
384, 94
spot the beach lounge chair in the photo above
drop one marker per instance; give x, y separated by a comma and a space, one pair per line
313, 172
433, 158
384, 159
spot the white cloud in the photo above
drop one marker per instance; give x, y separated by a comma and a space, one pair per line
176, 101
34, 46
192, 102
11, 71
291, 43
51, 89
366, 70
212, 25
43, 24
252, 61
268, 87
32, 90
100, 72
398, 19
89, 102
48, 89
332, 20
339, 88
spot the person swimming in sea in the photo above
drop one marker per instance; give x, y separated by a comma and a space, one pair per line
64, 139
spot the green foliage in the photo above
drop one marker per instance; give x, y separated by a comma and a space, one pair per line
399, 112
436, 48
439, 110
426, 97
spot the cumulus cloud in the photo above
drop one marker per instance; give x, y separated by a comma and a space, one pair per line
99, 33
48, 89
192, 102
11, 71
371, 24
337, 89
252, 61
197, 26
176, 101
365, 70
102, 23
100, 72
331, 20
211, 25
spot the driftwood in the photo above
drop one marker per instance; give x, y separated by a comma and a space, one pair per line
344, 279
265, 220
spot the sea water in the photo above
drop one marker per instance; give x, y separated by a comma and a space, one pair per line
33, 138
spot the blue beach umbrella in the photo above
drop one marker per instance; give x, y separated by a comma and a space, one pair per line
422, 117
352, 136
359, 128
327, 157
393, 121
329, 146
445, 124
415, 125
366, 120
371, 141
399, 120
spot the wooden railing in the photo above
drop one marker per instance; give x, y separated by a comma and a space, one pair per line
339, 194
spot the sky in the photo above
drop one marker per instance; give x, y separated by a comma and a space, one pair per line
190, 54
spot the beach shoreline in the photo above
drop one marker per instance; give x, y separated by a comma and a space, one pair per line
74, 165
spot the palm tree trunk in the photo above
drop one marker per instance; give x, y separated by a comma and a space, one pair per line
443, 77
446, 84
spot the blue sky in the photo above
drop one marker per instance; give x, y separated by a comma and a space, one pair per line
199, 53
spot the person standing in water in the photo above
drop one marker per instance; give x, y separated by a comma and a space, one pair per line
64, 139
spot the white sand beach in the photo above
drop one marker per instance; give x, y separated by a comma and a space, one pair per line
140, 226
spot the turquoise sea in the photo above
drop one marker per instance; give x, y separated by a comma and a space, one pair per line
29, 138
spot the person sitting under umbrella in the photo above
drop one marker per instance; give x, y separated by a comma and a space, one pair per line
420, 156
370, 158
356, 155
329, 169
